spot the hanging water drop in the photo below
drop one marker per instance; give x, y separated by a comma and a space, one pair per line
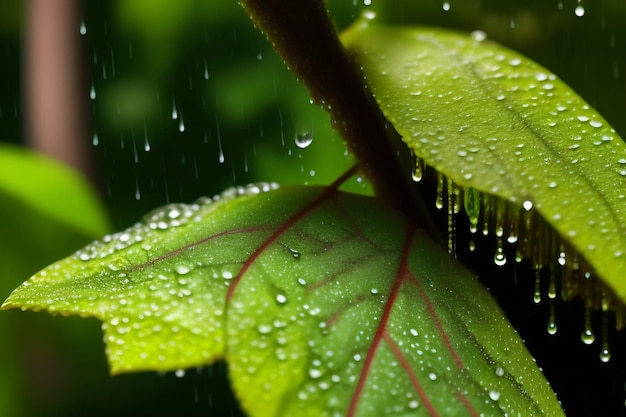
552, 321
83, 28
95, 140
587, 335
471, 201
499, 258
304, 139
181, 125
92, 92
440, 187
418, 169
537, 294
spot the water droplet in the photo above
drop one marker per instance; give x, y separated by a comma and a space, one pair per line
552, 321
440, 187
418, 170
537, 294
528, 205
499, 258
181, 125
605, 354
92, 92
494, 395
432, 376
374, 291
446, 6
595, 123
303, 140
83, 28
182, 269
478, 35
315, 373
499, 371
471, 202
413, 332
579, 11
413, 404
281, 298
95, 140
179, 373
264, 328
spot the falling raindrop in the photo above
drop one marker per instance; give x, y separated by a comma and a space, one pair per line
83, 28
579, 11
174, 110
304, 139
92, 92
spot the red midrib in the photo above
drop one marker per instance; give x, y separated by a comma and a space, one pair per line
404, 274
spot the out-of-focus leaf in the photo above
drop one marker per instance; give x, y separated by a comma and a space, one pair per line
322, 303
46, 212
492, 120
55, 190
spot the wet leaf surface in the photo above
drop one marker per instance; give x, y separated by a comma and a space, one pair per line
321, 302
492, 121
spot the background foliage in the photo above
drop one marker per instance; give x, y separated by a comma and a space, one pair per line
232, 96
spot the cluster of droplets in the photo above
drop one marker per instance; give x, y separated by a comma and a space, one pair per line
521, 227
162, 219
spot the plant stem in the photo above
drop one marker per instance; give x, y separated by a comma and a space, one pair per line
304, 35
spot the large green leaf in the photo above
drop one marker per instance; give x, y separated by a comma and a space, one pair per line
322, 303
493, 121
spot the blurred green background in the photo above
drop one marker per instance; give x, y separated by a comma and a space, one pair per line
185, 99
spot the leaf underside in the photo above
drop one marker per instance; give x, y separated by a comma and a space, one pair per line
322, 303
505, 135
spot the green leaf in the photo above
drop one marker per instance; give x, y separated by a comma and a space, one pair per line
55, 190
491, 120
47, 211
321, 302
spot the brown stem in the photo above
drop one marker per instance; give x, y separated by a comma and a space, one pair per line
57, 103
302, 32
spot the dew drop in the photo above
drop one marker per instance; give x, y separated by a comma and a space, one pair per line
446, 6
182, 269
494, 395
304, 140
499, 371
281, 298
413, 404
264, 328
432, 376
478, 35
